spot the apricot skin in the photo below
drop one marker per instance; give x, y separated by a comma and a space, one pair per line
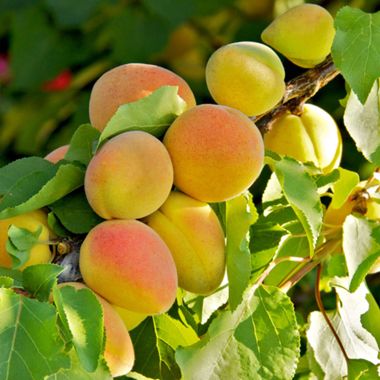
131, 319
128, 83
192, 232
313, 136
304, 34
118, 351
217, 152
130, 177
57, 154
247, 76
32, 221
128, 264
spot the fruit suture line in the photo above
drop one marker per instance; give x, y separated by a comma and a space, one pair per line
298, 91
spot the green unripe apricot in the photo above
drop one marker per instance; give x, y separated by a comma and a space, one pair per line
303, 34
248, 76
311, 137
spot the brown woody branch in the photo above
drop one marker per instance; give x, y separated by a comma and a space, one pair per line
298, 91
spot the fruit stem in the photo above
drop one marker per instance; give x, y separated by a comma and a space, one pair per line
298, 91
321, 307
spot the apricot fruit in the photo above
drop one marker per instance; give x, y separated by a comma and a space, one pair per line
304, 34
57, 154
131, 319
127, 263
312, 137
370, 209
32, 221
128, 83
247, 76
129, 177
217, 152
335, 217
192, 232
118, 351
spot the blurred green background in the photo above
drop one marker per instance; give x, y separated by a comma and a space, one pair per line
52, 51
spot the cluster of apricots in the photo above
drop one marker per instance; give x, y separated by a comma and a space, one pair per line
154, 238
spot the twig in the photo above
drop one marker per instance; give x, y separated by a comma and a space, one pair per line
323, 251
298, 91
323, 311
277, 261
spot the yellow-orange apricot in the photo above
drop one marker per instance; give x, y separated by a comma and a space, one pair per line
131, 319
217, 152
57, 154
313, 136
304, 34
128, 83
128, 264
32, 221
358, 199
192, 232
129, 177
118, 350
247, 76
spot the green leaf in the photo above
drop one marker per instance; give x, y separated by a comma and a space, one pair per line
220, 211
82, 317
363, 123
328, 179
14, 274
259, 340
6, 282
265, 239
20, 199
82, 144
77, 372
357, 341
273, 190
362, 370
240, 215
361, 247
39, 280
295, 244
343, 187
137, 376
30, 345
370, 319
56, 226
19, 244
155, 341
336, 266
301, 192
354, 49
46, 59
71, 13
74, 212
152, 114
213, 302
25, 167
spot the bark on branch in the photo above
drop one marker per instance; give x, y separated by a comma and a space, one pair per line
298, 91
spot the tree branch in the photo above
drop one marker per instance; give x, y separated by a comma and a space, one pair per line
298, 91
